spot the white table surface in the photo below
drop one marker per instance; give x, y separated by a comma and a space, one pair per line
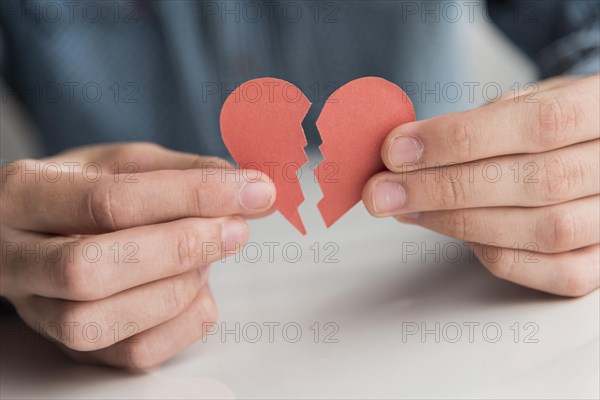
374, 293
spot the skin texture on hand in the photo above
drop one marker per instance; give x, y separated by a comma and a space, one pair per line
519, 179
112, 244
117, 238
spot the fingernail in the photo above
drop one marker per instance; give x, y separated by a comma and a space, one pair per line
388, 196
255, 195
405, 149
234, 233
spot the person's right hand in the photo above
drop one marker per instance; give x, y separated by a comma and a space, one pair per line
114, 266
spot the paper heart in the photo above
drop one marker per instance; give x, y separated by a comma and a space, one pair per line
353, 125
261, 125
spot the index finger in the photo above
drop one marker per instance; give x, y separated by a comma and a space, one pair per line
79, 204
552, 119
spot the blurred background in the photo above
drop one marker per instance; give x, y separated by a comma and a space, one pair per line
452, 52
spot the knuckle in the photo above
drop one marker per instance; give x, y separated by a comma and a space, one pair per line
449, 194
189, 248
77, 279
462, 138
559, 175
578, 283
556, 118
136, 354
173, 299
74, 317
461, 225
102, 208
497, 264
557, 232
207, 196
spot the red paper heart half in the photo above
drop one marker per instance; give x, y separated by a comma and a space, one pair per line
353, 125
261, 125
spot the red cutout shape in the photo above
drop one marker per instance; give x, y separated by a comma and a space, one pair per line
261, 125
353, 125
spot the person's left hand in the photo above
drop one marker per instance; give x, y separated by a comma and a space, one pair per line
518, 178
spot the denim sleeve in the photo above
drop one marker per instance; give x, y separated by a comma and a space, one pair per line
561, 37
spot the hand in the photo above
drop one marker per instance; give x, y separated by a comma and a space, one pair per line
105, 249
518, 178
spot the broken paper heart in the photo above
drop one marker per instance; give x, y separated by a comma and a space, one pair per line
261, 125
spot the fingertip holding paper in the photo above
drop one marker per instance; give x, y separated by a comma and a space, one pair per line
261, 125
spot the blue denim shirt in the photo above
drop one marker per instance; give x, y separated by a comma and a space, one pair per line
96, 71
